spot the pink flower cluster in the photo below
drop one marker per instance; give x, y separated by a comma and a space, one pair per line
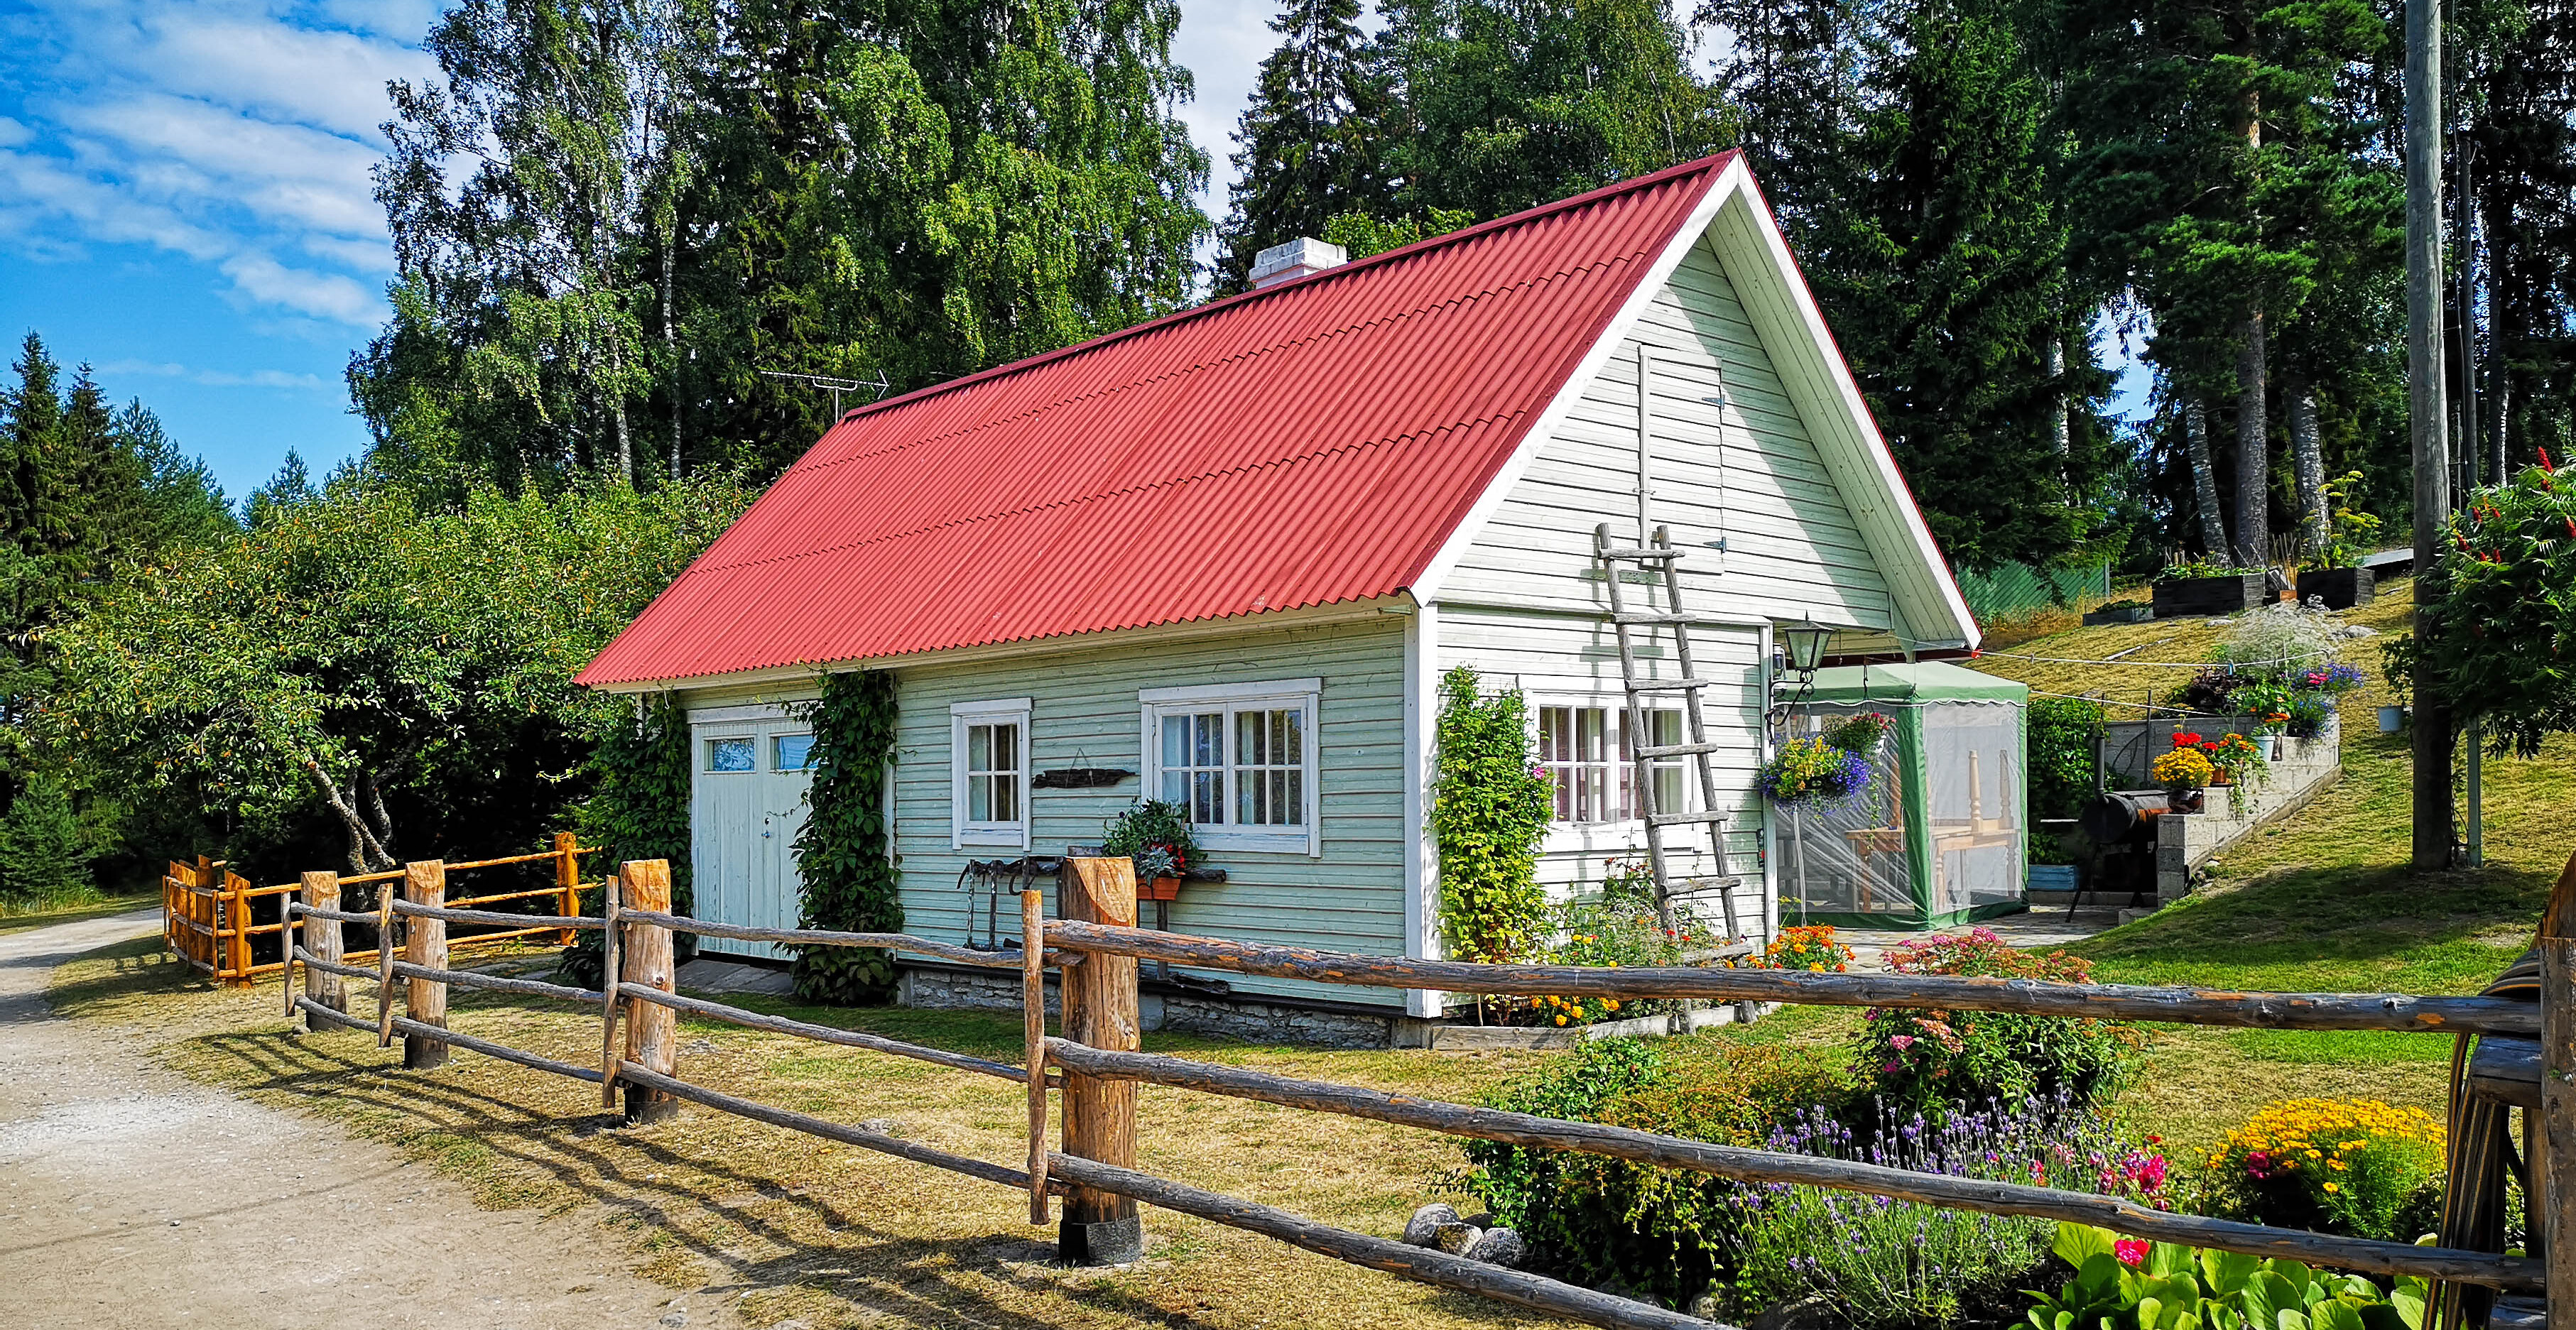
2130, 1251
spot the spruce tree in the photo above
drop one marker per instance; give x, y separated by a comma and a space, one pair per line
1508, 104
1933, 245
1309, 147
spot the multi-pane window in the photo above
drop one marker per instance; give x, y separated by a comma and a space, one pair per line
993, 772
1589, 759
990, 772
1240, 759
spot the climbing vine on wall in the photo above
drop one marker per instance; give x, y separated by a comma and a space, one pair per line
1489, 813
638, 809
842, 854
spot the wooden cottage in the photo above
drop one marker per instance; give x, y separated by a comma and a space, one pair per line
1235, 549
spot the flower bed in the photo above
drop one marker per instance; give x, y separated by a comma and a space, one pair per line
1973, 1094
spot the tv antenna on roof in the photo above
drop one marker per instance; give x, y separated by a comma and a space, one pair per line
874, 388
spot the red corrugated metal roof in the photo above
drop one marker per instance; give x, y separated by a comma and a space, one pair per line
1309, 444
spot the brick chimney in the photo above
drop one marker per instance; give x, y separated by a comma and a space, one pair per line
1298, 257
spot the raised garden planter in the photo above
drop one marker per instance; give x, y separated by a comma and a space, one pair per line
2209, 595
2124, 614
2342, 588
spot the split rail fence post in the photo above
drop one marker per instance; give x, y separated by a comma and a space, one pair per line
652, 1030
321, 938
2557, 1189
1100, 1010
237, 924
425, 945
567, 883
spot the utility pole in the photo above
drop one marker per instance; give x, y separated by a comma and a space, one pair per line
2426, 413
2474, 758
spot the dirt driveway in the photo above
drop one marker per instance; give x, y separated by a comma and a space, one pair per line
132, 1199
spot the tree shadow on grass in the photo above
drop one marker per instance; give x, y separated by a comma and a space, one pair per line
2431, 929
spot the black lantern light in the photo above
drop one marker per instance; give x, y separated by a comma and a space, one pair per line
1806, 644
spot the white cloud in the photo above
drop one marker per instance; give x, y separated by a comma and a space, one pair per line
331, 80
226, 131
321, 294
216, 378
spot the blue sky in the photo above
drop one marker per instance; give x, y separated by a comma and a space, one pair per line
185, 204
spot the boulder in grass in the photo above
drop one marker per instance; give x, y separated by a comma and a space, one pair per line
1457, 1239
1481, 1219
1500, 1246
1423, 1230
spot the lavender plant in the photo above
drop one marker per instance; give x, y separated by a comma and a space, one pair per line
1891, 1262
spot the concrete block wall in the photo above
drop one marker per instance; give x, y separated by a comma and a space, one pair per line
2300, 770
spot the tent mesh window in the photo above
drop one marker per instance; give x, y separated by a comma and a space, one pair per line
1938, 839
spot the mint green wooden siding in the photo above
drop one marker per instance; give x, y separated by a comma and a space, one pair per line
1792, 545
1085, 713
1526, 601
1569, 660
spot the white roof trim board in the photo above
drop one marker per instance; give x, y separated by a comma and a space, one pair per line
1755, 256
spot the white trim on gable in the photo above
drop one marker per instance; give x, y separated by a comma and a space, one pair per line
1463, 537
1756, 257
1748, 245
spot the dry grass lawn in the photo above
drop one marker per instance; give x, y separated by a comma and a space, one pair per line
832, 1236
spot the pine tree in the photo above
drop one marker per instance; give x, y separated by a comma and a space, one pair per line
682, 198
44, 853
1309, 147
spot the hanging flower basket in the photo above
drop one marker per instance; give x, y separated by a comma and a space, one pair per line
1812, 771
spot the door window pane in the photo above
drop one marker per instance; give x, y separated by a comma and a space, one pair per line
791, 752
729, 755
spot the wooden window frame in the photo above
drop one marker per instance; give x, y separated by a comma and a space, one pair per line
962, 716
1627, 830
1304, 695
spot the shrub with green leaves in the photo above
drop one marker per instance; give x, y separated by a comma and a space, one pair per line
2127, 1284
1936, 1059
638, 810
1489, 812
1667, 1233
842, 851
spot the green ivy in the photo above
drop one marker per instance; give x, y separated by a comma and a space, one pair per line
841, 852
638, 809
1489, 812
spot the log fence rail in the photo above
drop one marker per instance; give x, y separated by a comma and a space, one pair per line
209, 913
1095, 1066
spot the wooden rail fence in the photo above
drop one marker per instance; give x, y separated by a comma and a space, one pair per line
1094, 1066
210, 914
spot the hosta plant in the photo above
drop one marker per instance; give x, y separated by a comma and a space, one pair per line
2125, 1284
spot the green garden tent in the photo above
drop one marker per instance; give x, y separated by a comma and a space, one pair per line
1938, 837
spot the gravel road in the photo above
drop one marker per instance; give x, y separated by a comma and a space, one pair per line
134, 1199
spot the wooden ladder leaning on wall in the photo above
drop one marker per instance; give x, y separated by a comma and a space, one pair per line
1642, 688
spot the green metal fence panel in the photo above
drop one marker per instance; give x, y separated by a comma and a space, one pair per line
2018, 588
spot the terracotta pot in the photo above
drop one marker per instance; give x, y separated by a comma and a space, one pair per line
1160, 889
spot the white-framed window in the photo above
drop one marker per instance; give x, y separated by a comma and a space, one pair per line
1590, 761
732, 754
988, 746
791, 752
1241, 758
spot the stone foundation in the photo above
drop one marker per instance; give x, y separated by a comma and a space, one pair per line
1247, 1017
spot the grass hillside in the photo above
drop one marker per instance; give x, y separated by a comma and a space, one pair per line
2323, 900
